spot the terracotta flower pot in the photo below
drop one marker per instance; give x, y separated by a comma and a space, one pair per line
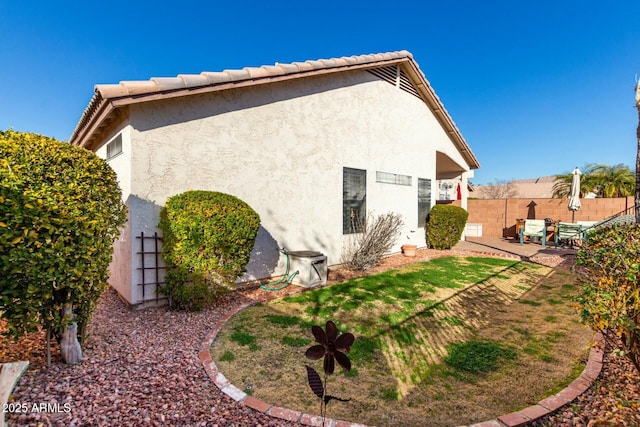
409, 250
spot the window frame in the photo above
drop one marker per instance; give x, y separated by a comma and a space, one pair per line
354, 208
393, 178
422, 212
114, 145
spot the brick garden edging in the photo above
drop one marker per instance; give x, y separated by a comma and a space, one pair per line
522, 417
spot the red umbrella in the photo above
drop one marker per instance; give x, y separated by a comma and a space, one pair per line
459, 192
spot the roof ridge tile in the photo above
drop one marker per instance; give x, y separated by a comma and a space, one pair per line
238, 74
181, 81
274, 70
193, 80
329, 62
168, 83
289, 68
256, 72
110, 90
315, 63
216, 76
137, 87
303, 66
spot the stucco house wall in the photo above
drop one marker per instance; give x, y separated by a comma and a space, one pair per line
121, 271
281, 147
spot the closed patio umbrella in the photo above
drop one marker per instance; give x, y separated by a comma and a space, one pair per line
574, 194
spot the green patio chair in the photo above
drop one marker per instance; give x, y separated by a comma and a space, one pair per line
587, 227
534, 228
569, 232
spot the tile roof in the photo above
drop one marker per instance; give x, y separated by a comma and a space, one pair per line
183, 81
109, 98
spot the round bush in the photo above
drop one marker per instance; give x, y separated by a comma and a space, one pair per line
207, 237
445, 224
60, 211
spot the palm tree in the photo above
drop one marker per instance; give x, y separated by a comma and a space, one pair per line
603, 180
562, 184
613, 181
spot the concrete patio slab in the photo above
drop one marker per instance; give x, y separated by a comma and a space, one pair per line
507, 246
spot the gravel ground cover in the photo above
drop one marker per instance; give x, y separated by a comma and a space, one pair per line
142, 368
612, 400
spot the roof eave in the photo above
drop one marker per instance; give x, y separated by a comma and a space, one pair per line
175, 93
100, 107
434, 103
103, 107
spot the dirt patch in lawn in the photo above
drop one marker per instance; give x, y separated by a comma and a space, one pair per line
400, 375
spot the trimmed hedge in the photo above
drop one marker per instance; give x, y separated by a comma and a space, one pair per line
207, 241
444, 227
610, 299
60, 211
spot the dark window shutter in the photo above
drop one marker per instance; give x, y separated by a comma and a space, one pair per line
354, 200
424, 200
114, 147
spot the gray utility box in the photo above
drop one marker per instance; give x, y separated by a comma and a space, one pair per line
311, 267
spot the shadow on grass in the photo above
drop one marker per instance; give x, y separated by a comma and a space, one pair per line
413, 342
391, 358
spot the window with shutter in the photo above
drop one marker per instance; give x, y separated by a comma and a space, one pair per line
114, 147
354, 200
424, 200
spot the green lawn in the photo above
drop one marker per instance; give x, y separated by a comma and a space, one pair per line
424, 334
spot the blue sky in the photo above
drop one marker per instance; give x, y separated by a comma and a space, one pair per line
536, 88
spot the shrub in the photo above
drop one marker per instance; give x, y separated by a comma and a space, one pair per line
207, 237
364, 250
60, 211
444, 227
610, 299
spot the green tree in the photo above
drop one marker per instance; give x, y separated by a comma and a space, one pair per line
610, 299
603, 180
612, 181
208, 237
60, 211
562, 184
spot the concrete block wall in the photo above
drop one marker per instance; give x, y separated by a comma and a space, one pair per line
498, 216
490, 213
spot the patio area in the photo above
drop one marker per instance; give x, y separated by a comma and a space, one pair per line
512, 246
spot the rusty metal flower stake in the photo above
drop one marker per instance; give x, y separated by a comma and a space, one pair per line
332, 347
